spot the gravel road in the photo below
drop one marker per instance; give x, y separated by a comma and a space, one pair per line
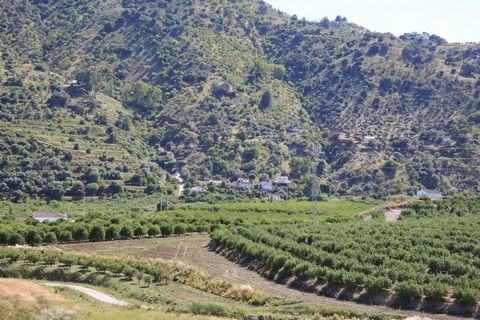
100, 296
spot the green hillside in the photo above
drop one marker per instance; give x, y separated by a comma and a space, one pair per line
97, 97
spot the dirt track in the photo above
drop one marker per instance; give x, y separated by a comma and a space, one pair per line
95, 294
194, 251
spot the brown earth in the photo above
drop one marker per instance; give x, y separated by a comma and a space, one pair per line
27, 291
195, 251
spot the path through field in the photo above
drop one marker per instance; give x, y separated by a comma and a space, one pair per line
95, 294
194, 251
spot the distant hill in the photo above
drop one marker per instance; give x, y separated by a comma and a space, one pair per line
101, 96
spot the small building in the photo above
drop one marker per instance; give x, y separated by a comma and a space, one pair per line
282, 180
294, 130
215, 183
244, 184
275, 197
447, 140
368, 139
49, 216
198, 189
266, 186
432, 194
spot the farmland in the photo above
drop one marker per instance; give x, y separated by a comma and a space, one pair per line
137, 220
430, 256
179, 289
425, 261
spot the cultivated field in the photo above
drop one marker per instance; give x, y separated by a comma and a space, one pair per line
196, 251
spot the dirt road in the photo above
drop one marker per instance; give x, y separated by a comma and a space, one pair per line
95, 294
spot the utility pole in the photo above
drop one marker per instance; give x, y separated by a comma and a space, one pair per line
161, 200
314, 195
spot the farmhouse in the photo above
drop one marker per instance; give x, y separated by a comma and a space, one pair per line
432, 194
282, 181
294, 130
49, 216
215, 182
198, 189
266, 186
275, 197
244, 184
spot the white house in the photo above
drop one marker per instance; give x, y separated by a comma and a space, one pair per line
244, 184
282, 180
294, 130
367, 139
275, 197
447, 140
432, 194
198, 189
266, 186
49, 216
215, 182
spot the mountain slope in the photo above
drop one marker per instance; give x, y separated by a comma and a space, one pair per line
235, 78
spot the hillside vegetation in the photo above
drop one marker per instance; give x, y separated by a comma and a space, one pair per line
98, 97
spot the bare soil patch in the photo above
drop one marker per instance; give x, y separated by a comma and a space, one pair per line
393, 215
27, 291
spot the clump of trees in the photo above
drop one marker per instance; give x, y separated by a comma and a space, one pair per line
144, 96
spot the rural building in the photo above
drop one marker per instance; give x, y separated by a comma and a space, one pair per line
266, 186
447, 140
49, 216
215, 182
282, 180
275, 197
367, 139
198, 189
244, 184
432, 194
294, 130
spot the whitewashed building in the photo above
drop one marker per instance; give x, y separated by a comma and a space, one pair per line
266, 186
49, 216
196, 190
282, 180
244, 184
275, 197
432, 194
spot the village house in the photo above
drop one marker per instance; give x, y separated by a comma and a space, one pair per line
244, 184
294, 130
275, 197
266, 186
215, 183
447, 141
49, 216
432, 194
282, 180
368, 139
198, 189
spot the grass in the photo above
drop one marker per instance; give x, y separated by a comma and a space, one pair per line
79, 307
